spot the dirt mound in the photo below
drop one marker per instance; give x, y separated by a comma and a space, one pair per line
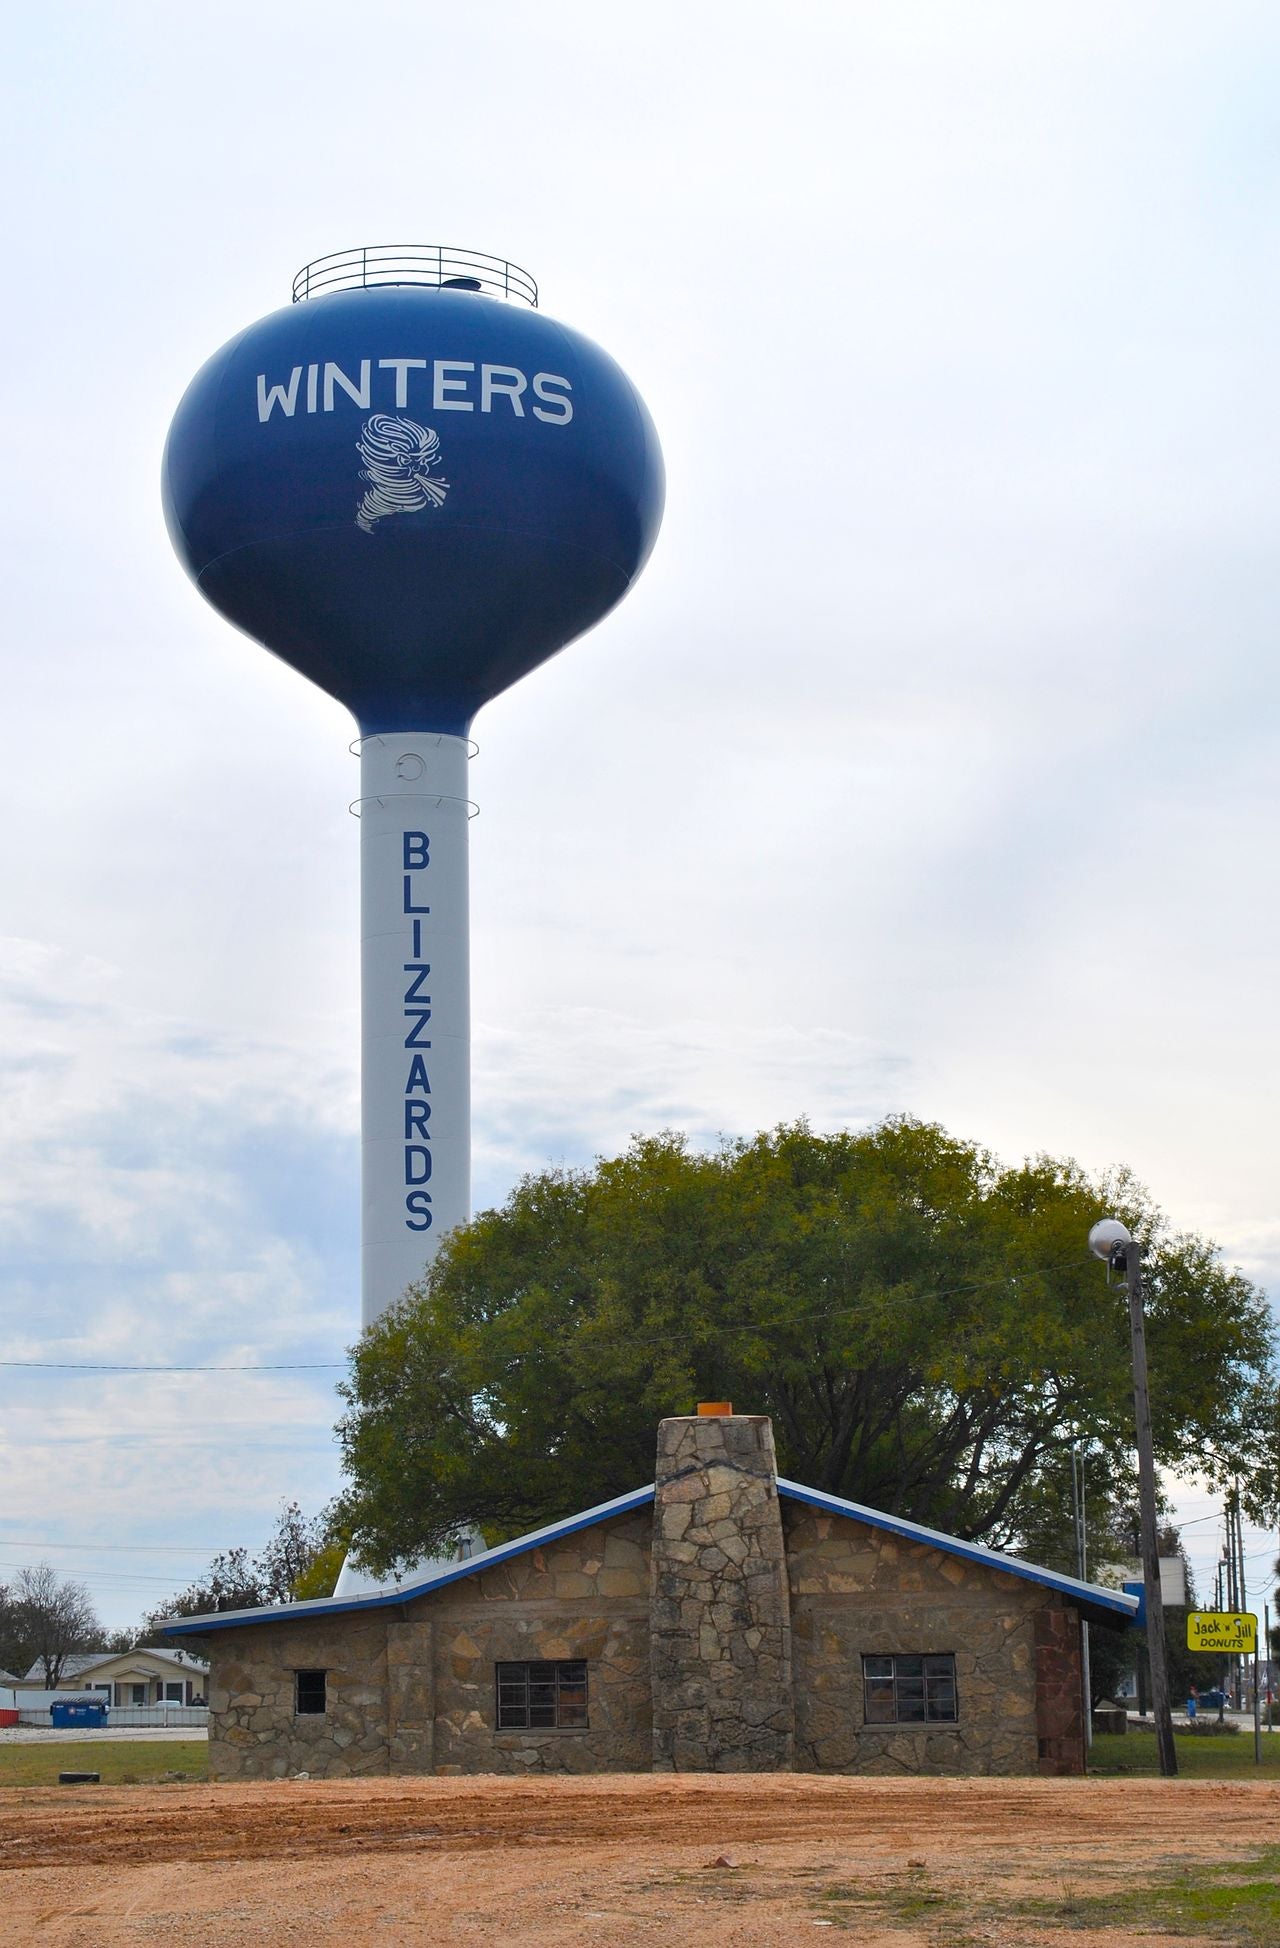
743, 1860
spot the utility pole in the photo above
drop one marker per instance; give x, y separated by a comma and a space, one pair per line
1229, 1585
1111, 1241
1082, 1571
1147, 1500
1237, 1543
1266, 1638
1242, 1577
1237, 1594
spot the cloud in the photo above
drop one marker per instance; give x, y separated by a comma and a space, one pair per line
141, 1140
931, 765
167, 1197
572, 1084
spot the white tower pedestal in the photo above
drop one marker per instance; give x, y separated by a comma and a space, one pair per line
415, 1007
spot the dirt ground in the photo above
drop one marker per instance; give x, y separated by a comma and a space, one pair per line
748, 1861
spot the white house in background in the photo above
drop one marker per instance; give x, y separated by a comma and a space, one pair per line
128, 1677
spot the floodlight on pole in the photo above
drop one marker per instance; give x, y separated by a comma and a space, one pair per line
1115, 1244
1106, 1234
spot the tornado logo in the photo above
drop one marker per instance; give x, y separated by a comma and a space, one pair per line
398, 456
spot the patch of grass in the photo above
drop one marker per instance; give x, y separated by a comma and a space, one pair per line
1238, 1904
1115, 1754
1248, 1912
122, 1762
898, 1899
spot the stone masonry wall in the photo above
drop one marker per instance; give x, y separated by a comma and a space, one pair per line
585, 1596
410, 1686
720, 1649
1059, 1690
253, 1732
858, 1591
722, 1631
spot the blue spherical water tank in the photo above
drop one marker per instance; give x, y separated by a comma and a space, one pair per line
412, 493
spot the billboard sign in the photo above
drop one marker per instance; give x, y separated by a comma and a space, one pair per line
1225, 1630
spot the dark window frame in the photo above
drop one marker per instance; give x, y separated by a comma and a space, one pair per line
305, 1684
541, 1694
909, 1688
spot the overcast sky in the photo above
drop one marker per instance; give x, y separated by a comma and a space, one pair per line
931, 766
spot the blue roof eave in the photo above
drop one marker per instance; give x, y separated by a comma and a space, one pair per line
333, 1606
1092, 1594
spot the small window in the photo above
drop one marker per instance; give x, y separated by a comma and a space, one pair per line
531, 1696
909, 1690
308, 1693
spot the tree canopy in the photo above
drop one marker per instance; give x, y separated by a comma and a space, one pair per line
286, 1569
924, 1325
44, 1619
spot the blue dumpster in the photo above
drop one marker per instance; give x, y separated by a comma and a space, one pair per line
78, 1711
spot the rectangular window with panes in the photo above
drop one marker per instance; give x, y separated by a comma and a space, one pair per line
309, 1688
909, 1690
550, 1696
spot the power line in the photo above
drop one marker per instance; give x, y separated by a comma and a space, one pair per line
73, 1366
782, 1323
116, 1548
135, 1444
122, 1579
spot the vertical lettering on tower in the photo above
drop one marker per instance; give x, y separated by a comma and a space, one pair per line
416, 863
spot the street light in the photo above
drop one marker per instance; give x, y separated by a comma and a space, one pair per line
1114, 1244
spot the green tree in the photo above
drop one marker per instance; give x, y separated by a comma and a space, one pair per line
16, 1649
923, 1324
322, 1572
1185, 1667
1112, 1654
235, 1580
290, 1553
1046, 1522
44, 1619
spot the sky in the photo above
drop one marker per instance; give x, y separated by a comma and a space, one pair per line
930, 767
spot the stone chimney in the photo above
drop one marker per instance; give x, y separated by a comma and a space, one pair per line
719, 1610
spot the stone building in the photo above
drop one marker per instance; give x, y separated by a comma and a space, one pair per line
721, 1619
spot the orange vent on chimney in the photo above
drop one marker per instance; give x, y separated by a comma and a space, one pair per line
715, 1406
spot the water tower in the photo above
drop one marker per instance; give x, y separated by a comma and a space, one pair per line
414, 487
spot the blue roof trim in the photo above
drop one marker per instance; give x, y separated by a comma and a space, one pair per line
332, 1606
1092, 1594
875, 1518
